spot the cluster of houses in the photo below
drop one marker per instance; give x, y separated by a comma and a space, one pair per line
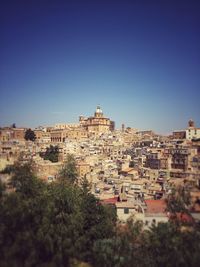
130, 169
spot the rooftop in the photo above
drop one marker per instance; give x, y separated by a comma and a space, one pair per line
155, 206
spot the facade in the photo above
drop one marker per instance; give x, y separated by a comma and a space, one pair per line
153, 161
42, 136
7, 134
83, 168
77, 134
58, 136
18, 134
63, 126
127, 209
179, 135
192, 132
97, 123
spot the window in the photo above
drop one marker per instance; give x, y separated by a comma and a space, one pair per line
126, 210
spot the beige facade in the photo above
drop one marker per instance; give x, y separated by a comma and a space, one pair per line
77, 134
83, 168
65, 126
179, 134
192, 133
58, 136
7, 134
45, 169
98, 123
127, 209
42, 136
18, 134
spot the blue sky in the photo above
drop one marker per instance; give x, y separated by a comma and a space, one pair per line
140, 60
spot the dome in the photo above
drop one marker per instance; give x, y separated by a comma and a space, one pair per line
98, 110
98, 113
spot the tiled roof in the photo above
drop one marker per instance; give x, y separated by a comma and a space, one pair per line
112, 200
155, 206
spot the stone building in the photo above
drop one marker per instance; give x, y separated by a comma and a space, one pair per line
7, 134
77, 134
83, 168
97, 123
58, 136
192, 132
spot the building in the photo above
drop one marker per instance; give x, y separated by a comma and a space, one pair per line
42, 136
83, 168
179, 135
7, 134
155, 212
77, 134
67, 126
58, 136
97, 123
192, 132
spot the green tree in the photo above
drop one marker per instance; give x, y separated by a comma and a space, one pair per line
29, 135
49, 224
168, 245
179, 200
13, 125
2, 189
51, 153
24, 180
69, 171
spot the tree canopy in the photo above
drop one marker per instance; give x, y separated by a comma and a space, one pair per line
51, 153
49, 224
69, 173
63, 224
29, 135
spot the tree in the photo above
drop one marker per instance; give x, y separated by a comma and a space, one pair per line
24, 180
13, 125
179, 200
2, 189
69, 172
51, 153
30, 135
49, 224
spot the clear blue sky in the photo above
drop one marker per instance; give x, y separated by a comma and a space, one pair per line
140, 60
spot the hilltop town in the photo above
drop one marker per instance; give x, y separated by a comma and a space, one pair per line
131, 169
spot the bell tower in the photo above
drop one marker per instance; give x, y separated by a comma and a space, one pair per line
191, 124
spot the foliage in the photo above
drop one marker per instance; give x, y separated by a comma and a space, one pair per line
29, 135
178, 200
8, 169
2, 189
162, 245
63, 224
69, 172
51, 153
49, 224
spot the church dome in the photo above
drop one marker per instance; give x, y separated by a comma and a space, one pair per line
99, 110
98, 113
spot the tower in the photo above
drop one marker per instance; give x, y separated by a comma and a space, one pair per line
191, 123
